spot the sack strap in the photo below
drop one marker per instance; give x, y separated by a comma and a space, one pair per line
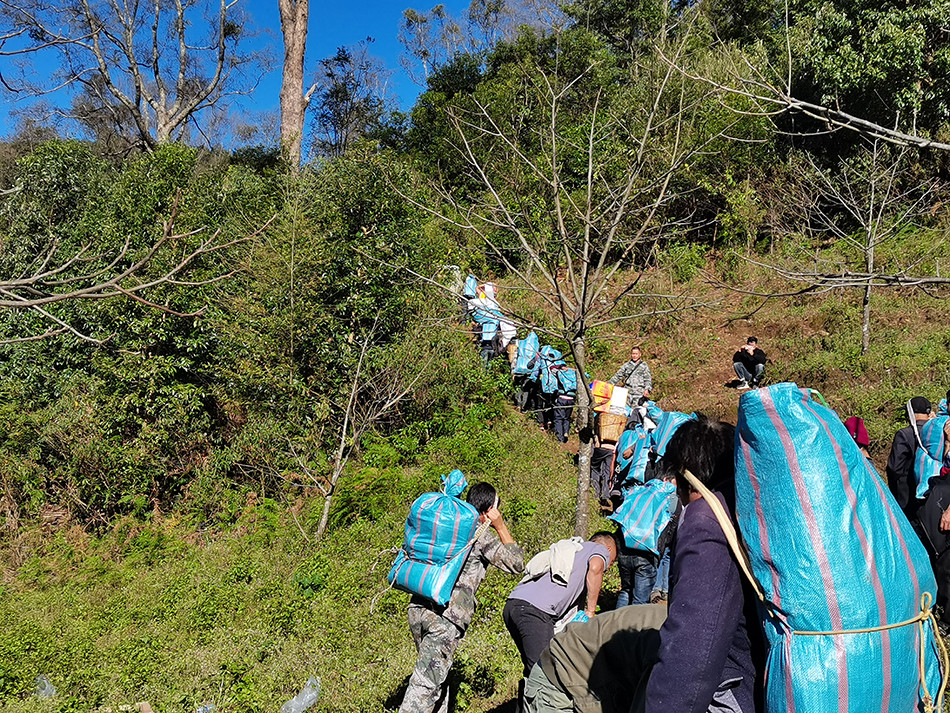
921, 619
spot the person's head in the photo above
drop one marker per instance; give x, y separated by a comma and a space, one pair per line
608, 540
752, 342
482, 497
705, 449
635, 354
920, 407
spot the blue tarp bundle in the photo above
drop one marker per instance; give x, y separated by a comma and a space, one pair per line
633, 469
566, 381
526, 361
929, 458
439, 531
645, 513
834, 553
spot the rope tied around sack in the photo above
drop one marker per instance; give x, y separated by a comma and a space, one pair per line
920, 620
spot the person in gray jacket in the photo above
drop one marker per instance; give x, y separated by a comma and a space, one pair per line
634, 375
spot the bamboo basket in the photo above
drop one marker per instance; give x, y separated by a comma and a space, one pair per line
610, 426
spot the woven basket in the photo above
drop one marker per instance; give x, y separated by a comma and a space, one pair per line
610, 426
512, 351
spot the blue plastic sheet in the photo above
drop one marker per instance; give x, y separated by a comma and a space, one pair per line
645, 513
439, 531
470, 290
833, 553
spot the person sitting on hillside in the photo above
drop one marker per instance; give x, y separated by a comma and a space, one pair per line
900, 462
749, 364
438, 630
634, 376
536, 605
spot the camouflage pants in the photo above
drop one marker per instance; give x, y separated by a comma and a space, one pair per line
436, 640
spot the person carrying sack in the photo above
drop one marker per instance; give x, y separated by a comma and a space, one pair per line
437, 629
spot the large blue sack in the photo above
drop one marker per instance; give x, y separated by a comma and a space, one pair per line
833, 553
632, 470
526, 361
645, 513
470, 290
440, 530
928, 458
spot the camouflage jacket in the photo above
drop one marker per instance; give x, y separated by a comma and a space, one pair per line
487, 550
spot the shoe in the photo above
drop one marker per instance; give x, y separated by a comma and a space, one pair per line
657, 596
742, 385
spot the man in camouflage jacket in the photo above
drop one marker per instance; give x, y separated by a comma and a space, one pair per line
438, 630
635, 376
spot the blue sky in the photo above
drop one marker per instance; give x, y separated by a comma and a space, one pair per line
332, 24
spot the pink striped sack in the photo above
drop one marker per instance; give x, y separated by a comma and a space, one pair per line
645, 513
440, 530
848, 584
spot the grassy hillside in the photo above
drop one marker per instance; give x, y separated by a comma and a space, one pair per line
237, 615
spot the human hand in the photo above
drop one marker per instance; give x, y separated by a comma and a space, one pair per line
627, 453
494, 517
945, 520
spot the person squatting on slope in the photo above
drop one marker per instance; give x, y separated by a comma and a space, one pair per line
900, 462
535, 605
749, 364
707, 657
438, 630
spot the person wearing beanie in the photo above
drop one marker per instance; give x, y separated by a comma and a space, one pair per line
900, 463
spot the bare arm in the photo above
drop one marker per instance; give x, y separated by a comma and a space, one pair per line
595, 579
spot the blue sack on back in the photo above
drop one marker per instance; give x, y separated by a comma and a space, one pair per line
645, 513
929, 456
835, 557
470, 290
527, 357
665, 428
632, 470
549, 358
440, 530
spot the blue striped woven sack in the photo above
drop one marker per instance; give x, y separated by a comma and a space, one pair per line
470, 290
666, 426
834, 555
631, 471
549, 358
440, 530
645, 513
527, 355
927, 460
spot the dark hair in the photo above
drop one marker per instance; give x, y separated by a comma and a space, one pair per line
750, 340
481, 496
920, 404
705, 449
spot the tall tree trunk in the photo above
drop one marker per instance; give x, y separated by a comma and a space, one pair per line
585, 432
294, 16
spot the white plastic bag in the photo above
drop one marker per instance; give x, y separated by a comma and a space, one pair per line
308, 695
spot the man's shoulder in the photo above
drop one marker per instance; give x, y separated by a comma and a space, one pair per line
698, 519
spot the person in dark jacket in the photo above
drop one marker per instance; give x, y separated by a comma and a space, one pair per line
749, 364
711, 650
900, 463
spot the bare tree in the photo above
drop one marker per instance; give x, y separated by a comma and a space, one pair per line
575, 190
859, 205
87, 274
294, 19
152, 66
